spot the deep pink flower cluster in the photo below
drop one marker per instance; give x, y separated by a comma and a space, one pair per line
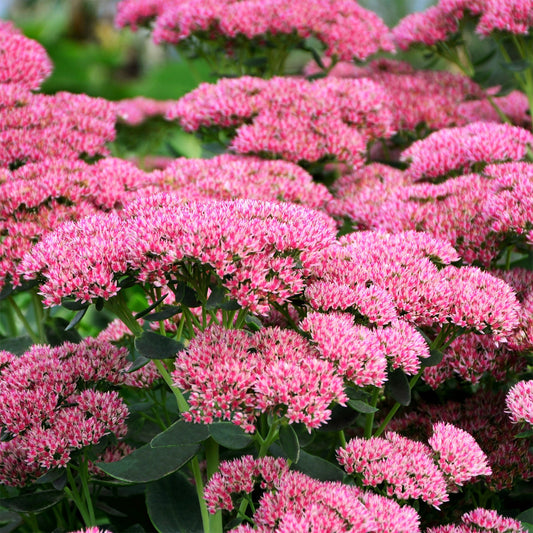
460, 149
439, 23
403, 264
482, 521
294, 503
234, 376
38, 197
50, 407
37, 126
482, 416
227, 177
472, 357
403, 467
261, 251
346, 29
134, 111
429, 98
519, 402
23, 62
408, 469
291, 118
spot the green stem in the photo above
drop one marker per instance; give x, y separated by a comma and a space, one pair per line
74, 494
342, 438
39, 316
10, 321
369, 420
117, 305
213, 460
195, 467
84, 477
180, 399
34, 337
269, 439
395, 408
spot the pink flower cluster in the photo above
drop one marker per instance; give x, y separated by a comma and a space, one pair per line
519, 402
403, 264
134, 111
228, 177
482, 416
23, 62
430, 98
257, 248
49, 405
291, 118
295, 503
482, 521
439, 23
345, 29
472, 357
38, 197
409, 469
234, 376
460, 149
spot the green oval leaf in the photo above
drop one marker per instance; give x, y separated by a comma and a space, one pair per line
435, 357
218, 300
398, 387
230, 436
150, 464
179, 433
155, 346
77, 318
289, 442
16, 345
362, 407
74, 305
32, 503
167, 312
186, 295
172, 505
144, 312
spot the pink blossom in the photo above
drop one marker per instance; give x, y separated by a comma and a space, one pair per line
134, 111
458, 455
335, 24
404, 468
252, 246
519, 402
291, 118
353, 349
227, 177
234, 376
459, 149
24, 62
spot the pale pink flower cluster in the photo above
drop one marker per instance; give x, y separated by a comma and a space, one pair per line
94, 529
403, 264
291, 118
346, 29
482, 416
460, 149
439, 23
453, 211
257, 248
134, 111
227, 177
234, 376
37, 126
23, 62
457, 454
49, 406
482, 521
409, 469
510, 208
513, 105
519, 402
38, 197
429, 98
294, 503
404, 468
